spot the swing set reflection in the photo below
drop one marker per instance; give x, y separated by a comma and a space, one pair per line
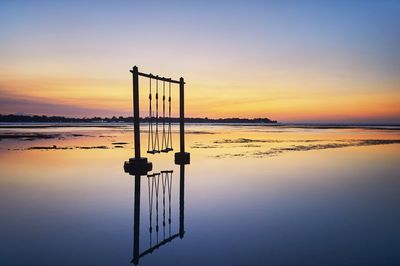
159, 189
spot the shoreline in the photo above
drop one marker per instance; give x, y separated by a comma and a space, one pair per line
383, 126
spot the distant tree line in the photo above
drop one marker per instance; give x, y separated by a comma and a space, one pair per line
120, 119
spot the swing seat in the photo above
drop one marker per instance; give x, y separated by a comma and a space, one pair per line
153, 151
167, 150
167, 171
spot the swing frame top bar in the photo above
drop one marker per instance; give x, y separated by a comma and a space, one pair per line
158, 77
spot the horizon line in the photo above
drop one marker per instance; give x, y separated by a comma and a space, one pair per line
272, 121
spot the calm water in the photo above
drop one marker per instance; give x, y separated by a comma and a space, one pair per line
253, 195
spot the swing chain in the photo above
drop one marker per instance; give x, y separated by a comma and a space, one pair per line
153, 145
163, 140
150, 140
169, 137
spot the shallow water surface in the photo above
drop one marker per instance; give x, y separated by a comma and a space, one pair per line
253, 195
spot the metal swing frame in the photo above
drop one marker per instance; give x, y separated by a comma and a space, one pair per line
138, 164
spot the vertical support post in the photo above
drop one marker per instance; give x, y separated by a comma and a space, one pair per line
182, 114
136, 165
182, 201
182, 157
136, 118
136, 220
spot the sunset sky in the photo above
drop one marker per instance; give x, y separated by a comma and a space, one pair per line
286, 60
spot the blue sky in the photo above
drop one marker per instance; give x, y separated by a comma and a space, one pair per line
286, 54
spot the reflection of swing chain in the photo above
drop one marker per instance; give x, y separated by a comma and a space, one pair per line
169, 184
151, 190
163, 180
154, 186
157, 185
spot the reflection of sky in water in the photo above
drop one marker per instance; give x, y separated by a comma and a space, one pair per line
332, 206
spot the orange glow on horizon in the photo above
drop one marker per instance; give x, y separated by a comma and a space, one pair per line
115, 96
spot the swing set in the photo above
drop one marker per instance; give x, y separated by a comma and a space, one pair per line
140, 165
